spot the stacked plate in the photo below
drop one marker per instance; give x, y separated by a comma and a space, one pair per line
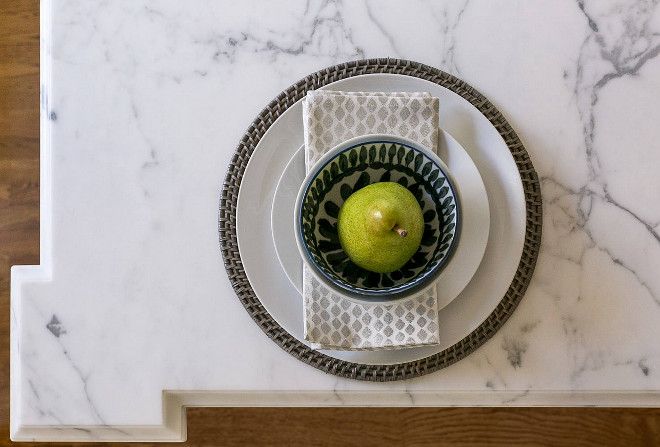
474, 230
489, 252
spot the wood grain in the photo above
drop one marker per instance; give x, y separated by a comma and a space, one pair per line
19, 244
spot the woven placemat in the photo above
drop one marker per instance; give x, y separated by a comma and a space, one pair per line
232, 257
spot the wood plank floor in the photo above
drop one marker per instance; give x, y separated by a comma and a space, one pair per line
19, 244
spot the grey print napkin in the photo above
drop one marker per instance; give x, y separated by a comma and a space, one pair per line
331, 320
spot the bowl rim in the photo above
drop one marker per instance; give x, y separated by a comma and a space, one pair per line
389, 295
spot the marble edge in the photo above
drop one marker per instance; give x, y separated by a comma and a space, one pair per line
174, 427
21, 274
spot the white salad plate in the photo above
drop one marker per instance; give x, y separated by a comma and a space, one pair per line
500, 177
474, 229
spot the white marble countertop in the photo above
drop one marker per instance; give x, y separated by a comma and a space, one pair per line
131, 316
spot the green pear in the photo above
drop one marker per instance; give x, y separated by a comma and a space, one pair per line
380, 226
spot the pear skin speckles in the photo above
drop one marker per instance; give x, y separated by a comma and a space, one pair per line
367, 237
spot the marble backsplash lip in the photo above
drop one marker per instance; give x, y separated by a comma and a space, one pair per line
571, 342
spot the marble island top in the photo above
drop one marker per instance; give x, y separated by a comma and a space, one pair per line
130, 317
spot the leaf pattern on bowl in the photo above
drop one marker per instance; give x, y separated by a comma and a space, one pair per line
356, 168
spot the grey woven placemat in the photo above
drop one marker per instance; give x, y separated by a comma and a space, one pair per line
232, 256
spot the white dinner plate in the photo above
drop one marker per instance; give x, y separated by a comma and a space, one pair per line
505, 197
474, 230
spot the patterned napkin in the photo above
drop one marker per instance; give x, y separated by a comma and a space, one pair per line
333, 321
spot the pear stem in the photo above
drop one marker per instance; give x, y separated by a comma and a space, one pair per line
401, 231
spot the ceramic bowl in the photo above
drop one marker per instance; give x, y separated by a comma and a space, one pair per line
355, 164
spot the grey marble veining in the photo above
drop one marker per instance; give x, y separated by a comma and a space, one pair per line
142, 106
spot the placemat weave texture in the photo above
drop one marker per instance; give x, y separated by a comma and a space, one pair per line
331, 365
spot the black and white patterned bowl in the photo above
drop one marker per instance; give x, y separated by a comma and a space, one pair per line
355, 164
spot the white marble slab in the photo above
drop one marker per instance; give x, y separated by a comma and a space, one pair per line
130, 315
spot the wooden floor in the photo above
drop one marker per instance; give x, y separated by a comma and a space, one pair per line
19, 244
